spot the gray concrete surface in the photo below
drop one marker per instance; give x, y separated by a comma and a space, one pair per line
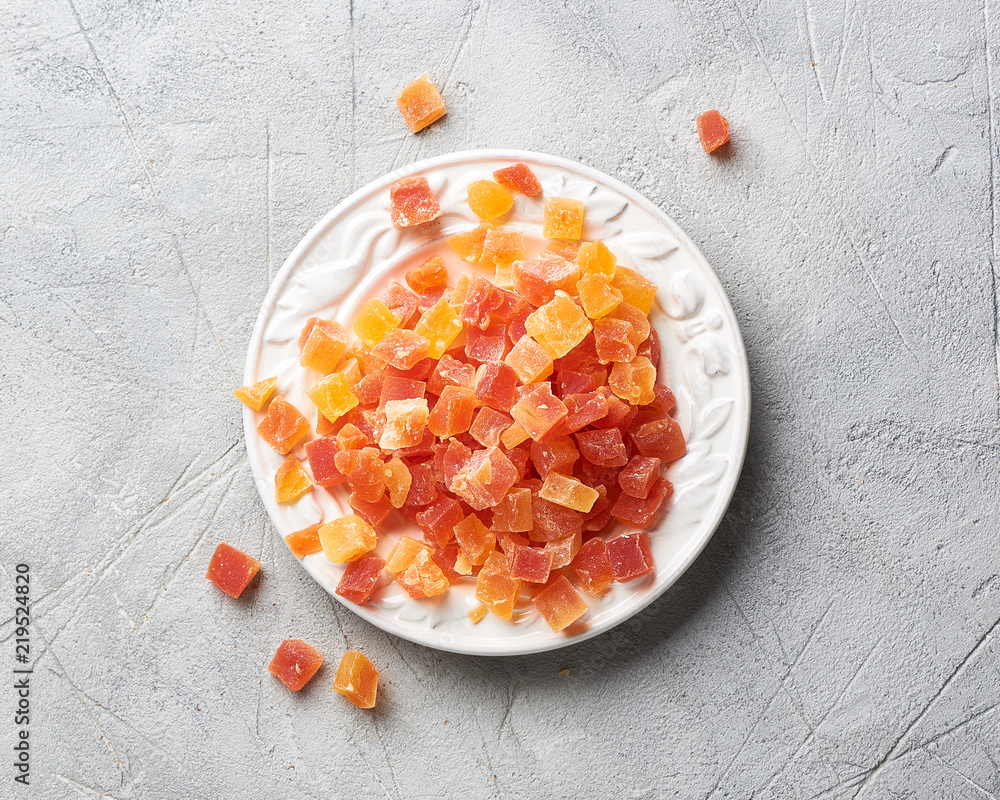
838, 637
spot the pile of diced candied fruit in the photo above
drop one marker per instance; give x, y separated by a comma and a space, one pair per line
512, 418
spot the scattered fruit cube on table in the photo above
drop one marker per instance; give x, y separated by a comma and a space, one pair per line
713, 130
295, 662
411, 203
231, 570
357, 679
421, 103
256, 396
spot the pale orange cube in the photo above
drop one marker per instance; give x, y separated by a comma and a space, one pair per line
332, 396
374, 321
347, 538
256, 396
495, 588
291, 480
529, 360
439, 325
563, 218
321, 344
304, 542
567, 491
405, 421
594, 258
411, 566
514, 435
477, 613
283, 426
633, 381
501, 248
421, 103
357, 679
397, 481
559, 603
469, 245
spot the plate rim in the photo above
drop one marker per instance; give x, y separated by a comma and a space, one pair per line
741, 362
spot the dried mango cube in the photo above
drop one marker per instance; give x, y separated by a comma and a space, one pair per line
231, 569
283, 426
630, 556
485, 479
397, 481
488, 425
322, 455
256, 395
585, 409
347, 538
496, 385
553, 521
495, 588
357, 679
563, 218
567, 491
486, 345
531, 564
559, 325
634, 317
489, 200
420, 103
469, 245
554, 454
635, 289
359, 579
713, 130
411, 202
400, 301
405, 421
597, 296
451, 372
321, 344
427, 275
594, 258
643, 512
514, 435
614, 340
372, 512
423, 577
304, 542
351, 371
501, 247
538, 411
402, 349
530, 361
291, 480
439, 324
452, 413
592, 566
639, 476
538, 280
294, 663
518, 177
476, 540
439, 519
564, 550
513, 513
603, 447
374, 321
660, 438
559, 603
477, 613
633, 381
332, 396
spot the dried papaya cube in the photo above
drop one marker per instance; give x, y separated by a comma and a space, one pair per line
538, 280
420, 371
423, 577
397, 481
538, 411
515, 329
584, 409
357, 679
429, 297
374, 321
481, 299
427, 275
553, 521
554, 454
643, 512
559, 603
469, 245
451, 372
633, 381
530, 361
283, 426
513, 513
559, 325
372, 512
256, 395
639, 476
447, 559
630, 556
661, 438
594, 258
347, 538
231, 569
485, 479
597, 296
423, 488
291, 480
514, 435
571, 382
488, 425
632, 315
614, 340
501, 247
304, 542
476, 540
439, 520
396, 388
452, 413
455, 456
496, 383
420, 103
405, 421
403, 554
359, 579
366, 476
503, 275
495, 588
332, 396
477, 613
511, 306
321, 344
351, 371
567, 491
403, 349
567, 250
411, 202
321, 454
651, 347
563, 218
531, 564
486, 345
713, 130
604, 448
582, 358
439, 324
368, 363
634, 288
620, 413
519, 178
295, 662
564, 550
400, 301
489, 200
593, 567
600, 515
369, 389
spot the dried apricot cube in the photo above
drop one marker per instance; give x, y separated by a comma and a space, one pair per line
347, 538
488, 425
563, 218
604, 448
321, 344
592, 566
304, 542
660, 438
537, 280
283, 426
469, 245
539, 411
639, 476
231, 569
411, 202
633, 381
332, 396
518, 177
439, 324
351, 370
634, 288
359, 579
501, 247
403, 554
597, 296
713, 130
594, 258
405, 421
630, 556
427, 275
489, 200
256, 395
420, 103
496, 384
295, 662
559, 325
291, 480
559, 604
567, 491
513, 513
530, 361
496, 588
643, 512
476, 540
357, 679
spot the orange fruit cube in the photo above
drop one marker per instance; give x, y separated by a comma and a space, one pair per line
357, 679
469, 245
501, 248
633, 381
321, 344
559, 325
411, 203
564, 550
304, 542
427, 275
373, 322
332, 396
563, 218
294, 663
495, 588
489, 200
439, 325
477, 612
405, 421
256, 395
530, 361
592, 566
476, 540
513, 513
411, 566
421, 103
231, 569
559, 603
347, 538
514, 435
397, 481
283, 426
291, 480
713, 130
635, 289
568, 492
594, 258
597, 296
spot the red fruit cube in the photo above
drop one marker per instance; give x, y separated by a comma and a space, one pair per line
713, 130
400, 301
603, 447
371, 512
447, 559
452, 413
456, 456
630, 556
642, 512
359, 579
639, 476
531, 564
513, 512
661, 438
451, 372
593, 567
295, 662
394, 388
423, 488
537, 280
369, 389
572, 382
496, 384
486, 345
539, 411
481, 300
322, 454
488, 425
555, 453
564, 550
518, 177
411, 202
585, 409
439, 520
231, 570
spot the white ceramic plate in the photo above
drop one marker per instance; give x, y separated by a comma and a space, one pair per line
354, 251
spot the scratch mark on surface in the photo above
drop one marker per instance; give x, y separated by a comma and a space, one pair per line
993, 198
83, 789
962, 775
941, 159
813, 51
267, 166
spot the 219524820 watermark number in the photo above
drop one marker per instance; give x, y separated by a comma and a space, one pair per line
22, 674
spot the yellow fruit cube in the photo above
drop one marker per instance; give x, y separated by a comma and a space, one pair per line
559, 325
321, 344
256, 395
563, 218
373, 322
439, 325
489, 200
597, 296
594, 258
332, 396
636, 290
291, 480
347, 538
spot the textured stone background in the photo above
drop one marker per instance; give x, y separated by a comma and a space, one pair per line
837, 638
